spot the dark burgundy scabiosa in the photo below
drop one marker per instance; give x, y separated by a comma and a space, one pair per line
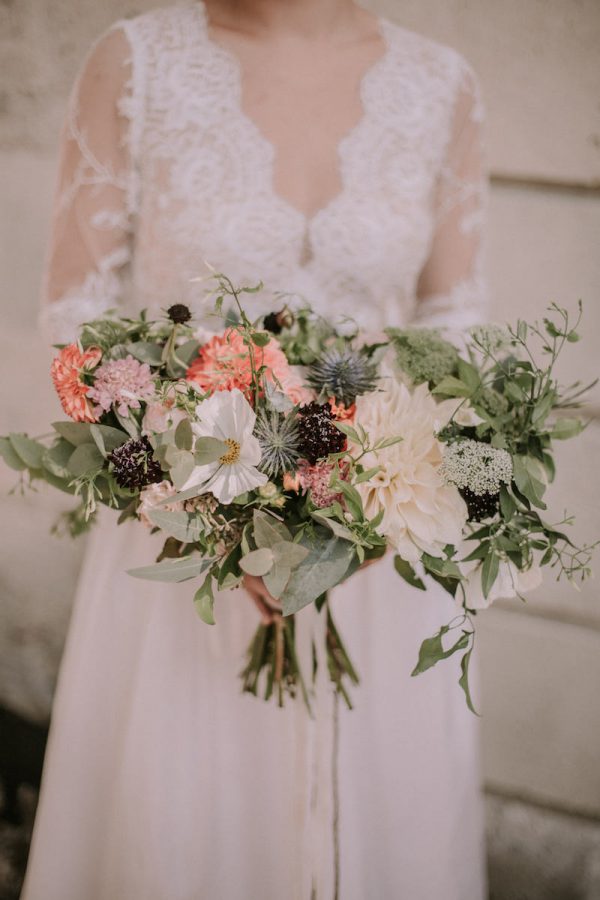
317, 434
275, 322
480, 506
179, 313
134, 464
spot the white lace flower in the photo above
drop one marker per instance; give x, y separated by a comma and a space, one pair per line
421, 511
228, 416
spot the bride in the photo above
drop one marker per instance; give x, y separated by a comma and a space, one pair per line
336, 155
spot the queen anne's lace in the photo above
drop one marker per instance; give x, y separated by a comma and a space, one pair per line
162, 170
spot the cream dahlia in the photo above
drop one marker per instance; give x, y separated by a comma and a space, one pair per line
420, 511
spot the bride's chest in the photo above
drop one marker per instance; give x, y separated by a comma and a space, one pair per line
212, 185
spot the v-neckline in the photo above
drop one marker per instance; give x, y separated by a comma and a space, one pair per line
233, 63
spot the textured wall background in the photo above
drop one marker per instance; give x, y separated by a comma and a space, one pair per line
540, 70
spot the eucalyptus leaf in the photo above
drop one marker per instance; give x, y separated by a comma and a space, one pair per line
85, 460
327, 563
257, 562
268, 530
204, 601
289, 554
276, 579
74, 432
208, 450
30, 451
183, 526
107, 438
146, 352
172, 570
56, 459
10, 456
184, 436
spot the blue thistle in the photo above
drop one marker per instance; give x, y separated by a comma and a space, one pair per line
342, 373
278, 437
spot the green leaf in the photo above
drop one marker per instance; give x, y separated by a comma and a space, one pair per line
452, 387
204, 601
208, 450
289, 554
367, 475
327, 563
406, 571
336, 527
187, 351
348, 430
566, 428
257, 562
469, 375
276, 579
74, 432
508, 507
56, 459
489, 572
172, 570
261, 338
10, 457
229, 571
146, 352
432, 650
464, 679
525, 471
184, 436
30, 451
183, 526
352, 498
85, 460
268, 530
181, 465
388, 442
107, 438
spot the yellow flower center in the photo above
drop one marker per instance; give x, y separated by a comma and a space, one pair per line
233, 454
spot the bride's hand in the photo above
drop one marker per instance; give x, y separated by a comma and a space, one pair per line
268, 607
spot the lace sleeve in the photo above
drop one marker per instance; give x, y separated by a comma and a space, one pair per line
91, 235
451, 291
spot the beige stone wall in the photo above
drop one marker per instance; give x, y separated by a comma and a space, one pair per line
540, 72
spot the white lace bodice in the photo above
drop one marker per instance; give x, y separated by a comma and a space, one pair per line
162, 170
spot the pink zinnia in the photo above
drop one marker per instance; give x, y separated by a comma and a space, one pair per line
122, 383
68, 371
223, 363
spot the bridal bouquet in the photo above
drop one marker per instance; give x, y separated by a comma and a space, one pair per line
288, 449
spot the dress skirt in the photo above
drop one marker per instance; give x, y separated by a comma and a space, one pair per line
162, 781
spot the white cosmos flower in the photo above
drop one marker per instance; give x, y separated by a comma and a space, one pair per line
420, 511
228, 416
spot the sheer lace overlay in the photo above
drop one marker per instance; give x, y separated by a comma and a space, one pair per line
162, 172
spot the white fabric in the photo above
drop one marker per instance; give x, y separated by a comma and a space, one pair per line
161, 781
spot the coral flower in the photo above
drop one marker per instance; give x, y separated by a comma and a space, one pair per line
223, 364
68, 371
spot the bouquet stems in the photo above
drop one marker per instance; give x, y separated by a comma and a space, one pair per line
273, 668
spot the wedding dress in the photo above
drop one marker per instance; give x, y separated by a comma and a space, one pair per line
162, 781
